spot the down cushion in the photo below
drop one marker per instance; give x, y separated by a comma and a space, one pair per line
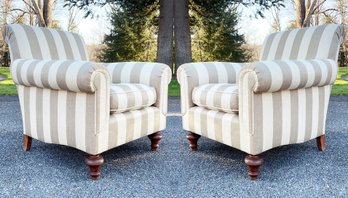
126, 97
220, 96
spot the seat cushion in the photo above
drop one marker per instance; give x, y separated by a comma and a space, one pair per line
126, 97
221, 96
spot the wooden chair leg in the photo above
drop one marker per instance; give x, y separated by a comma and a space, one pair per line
26, 142
193, 139
253, 162
321, 143
94, 162
155, 139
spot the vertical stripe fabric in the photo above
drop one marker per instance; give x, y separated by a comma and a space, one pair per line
273, 76
217, 96
65, 99
285, 117
156, 75
69, 75
319, 42
83, 120
282, 99
131, 96
216, 125
192, 75
26, 42
59, 117
131, 125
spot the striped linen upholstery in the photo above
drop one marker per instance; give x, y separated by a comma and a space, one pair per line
319, 42
132, 125
26, 42
192, 75
155, 75
283, 99
76, 119
127, 96
65, 99
217, 96
69, 75
268, 120
216, 125
272, 76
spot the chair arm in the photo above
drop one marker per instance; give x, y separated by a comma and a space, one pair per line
157, 75
69, 75
194, 74
273, 76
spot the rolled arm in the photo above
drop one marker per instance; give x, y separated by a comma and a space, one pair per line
194, 74
157, 75
69, 75
273, 76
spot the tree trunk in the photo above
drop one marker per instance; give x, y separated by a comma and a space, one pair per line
300, 12
38, 12
165, 33
47, 12
183, 53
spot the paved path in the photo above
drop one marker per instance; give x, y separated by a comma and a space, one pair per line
132, 170
2, 77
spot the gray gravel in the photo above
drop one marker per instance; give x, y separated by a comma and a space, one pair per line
132, 170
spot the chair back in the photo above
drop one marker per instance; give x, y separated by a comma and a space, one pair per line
319, 42
27, 42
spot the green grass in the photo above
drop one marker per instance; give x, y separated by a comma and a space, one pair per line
341, 86
174, 88
8, 88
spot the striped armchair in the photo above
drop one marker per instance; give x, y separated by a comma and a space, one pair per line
254, 107
66, 99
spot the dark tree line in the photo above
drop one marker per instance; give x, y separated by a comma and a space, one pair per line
212, 25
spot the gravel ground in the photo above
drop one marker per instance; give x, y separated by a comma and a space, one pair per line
132, 170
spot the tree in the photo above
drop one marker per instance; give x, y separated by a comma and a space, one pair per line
4, 17
132, 33
165, 32
305, 10
183, 51
215, 34
72, 23
182, 35
276, 26
42, 9
342, 18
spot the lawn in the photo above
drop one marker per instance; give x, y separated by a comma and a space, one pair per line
7, 86
174, 88
341, 86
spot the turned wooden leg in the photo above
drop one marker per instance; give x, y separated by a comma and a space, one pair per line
253, 162
26, 142
321, 142
94, 162
155, 138
193, 138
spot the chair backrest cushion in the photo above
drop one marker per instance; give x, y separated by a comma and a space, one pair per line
27, 42
319, 42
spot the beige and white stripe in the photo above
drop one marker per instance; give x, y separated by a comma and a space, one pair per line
272, 76
26, 42
65, 99
156, 75
195, 74
217, 96
283, 99
75, 76
131, 96
319, 42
